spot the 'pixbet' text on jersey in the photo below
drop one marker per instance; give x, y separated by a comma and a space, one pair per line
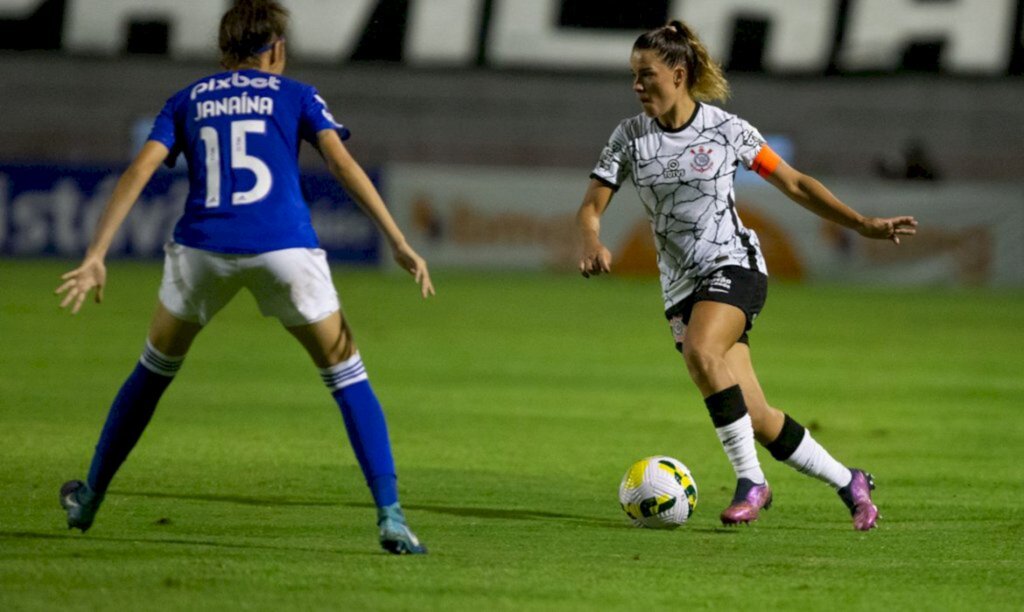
235, 80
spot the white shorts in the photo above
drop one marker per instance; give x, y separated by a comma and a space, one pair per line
293, 285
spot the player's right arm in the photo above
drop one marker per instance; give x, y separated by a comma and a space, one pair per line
353, 178
594, 257
92, 273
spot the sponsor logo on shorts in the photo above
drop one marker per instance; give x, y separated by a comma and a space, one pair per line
719, 284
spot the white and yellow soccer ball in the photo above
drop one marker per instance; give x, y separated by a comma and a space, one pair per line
658, 492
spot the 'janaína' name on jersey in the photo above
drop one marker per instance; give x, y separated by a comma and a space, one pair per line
235, 105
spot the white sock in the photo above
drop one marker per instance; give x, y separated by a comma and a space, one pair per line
812, 459
738, 442
159, 363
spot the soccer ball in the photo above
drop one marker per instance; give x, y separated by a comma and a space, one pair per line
658, 492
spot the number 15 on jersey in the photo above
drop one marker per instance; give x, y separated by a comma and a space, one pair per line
240, 159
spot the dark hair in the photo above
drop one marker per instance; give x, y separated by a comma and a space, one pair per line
678, 46
248, 27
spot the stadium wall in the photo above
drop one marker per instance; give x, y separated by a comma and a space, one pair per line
507, 218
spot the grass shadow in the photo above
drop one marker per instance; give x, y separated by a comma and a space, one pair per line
462, 511
510, 514
30, 535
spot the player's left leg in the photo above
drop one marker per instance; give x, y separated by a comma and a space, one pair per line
329, 343
790, 442
167, 342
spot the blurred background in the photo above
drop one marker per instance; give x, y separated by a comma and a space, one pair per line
480, 120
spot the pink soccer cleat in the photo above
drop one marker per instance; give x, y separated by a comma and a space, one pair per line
747, 502
857, 497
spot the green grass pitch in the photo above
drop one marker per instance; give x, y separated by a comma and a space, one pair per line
515, 403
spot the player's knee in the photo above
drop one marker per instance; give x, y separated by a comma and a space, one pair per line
344, 347
700, 359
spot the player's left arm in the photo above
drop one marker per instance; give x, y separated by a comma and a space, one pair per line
353, 178
811, 194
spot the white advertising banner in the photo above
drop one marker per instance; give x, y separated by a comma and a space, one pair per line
512, 218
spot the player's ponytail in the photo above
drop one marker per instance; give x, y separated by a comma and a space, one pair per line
677, 45
247, 28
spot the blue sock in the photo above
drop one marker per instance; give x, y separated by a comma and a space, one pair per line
130, 413
367, 429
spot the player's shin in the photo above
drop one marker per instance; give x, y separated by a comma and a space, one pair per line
130, 413
795, 447
729, 415
366, 426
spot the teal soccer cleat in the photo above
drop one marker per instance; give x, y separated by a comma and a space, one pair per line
81, 504
395, 535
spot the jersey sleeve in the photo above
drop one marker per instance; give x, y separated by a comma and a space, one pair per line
165, 131
316, 117
613, 167
747, 141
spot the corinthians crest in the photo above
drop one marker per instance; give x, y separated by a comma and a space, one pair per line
701, 161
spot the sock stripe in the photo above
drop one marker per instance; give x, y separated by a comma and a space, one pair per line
158, 363
726, 406
346, 373
789, 439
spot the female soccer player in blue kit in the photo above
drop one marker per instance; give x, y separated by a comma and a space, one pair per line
245, 225
681, 155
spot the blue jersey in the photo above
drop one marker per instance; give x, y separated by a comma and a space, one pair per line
240, 133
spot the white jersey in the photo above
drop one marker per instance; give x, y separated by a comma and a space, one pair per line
685, 181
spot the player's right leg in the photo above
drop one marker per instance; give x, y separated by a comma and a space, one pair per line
329, 343
713, 328
295, 286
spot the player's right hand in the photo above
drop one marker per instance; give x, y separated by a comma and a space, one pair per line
92, 274
596, 259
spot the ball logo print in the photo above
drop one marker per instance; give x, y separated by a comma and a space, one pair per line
658, 492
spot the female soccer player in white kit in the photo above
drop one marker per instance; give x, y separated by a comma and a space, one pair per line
681, 155
245, 225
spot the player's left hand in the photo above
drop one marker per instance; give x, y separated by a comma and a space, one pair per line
412, 263
890, 228
92, 274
